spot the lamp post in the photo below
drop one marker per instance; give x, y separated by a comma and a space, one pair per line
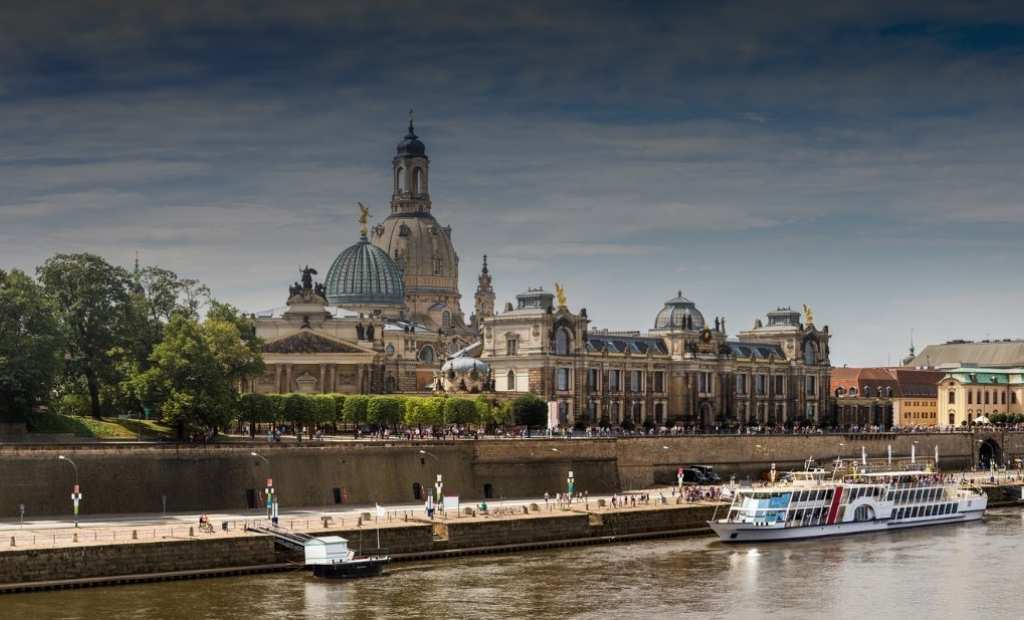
273, 509
439, 485
76, 493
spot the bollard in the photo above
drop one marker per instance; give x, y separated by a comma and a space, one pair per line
191, 531
135, 535
359, 523
12, 541
75, 539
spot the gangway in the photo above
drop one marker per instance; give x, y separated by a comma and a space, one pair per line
286, 538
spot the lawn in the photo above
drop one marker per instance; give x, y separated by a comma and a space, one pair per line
107, 428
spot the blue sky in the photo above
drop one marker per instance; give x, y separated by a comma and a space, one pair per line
863, 158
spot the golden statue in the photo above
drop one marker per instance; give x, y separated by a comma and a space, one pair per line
560, 294
364, 218
808, 315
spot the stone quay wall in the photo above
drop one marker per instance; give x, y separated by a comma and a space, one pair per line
149, 478
404, 541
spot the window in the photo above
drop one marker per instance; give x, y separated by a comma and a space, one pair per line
780, 385
866, 391
811, 385
562, 378
741, 384
446, 319
427, 354
399, 181
1003, 399
659, 413
970, 397
561, 341
986, 397
512, 346
659, 381
952, 397
437, 265
704, 383
592, 379
417, 180
1013, 398
613, 380
511, 379
634, 381
759, 384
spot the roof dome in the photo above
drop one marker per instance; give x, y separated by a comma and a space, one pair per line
364, 275
463, 365
679, 313
411, 146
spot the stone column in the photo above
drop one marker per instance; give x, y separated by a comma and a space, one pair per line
277, 379
323, 378
288, 379
360, 382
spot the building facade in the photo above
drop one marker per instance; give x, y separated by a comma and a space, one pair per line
388, 312
885, 397
683, 370
968, 393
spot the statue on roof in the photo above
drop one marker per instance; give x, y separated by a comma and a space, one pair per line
808, 315
364, 218
560, 294
307, 278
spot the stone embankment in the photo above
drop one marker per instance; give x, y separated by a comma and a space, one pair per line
80, 565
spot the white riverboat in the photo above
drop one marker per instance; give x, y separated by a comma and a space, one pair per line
816, 503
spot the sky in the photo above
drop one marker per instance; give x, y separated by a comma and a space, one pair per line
863, 158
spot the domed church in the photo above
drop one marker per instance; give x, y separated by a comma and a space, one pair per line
387, 313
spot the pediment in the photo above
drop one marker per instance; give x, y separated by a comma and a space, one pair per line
308, 342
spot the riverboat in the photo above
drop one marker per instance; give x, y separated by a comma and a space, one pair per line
814, 503
330, 557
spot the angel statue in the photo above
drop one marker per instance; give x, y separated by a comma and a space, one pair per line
560, 294
808, 315
364, 217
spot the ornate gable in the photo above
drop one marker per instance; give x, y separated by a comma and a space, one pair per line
308, 342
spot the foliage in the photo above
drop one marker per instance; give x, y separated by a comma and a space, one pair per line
460, 411
31, 345
384, 411
530, 410
194, 372
427, 411
92, 304
354, 409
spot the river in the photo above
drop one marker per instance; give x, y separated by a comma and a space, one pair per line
964, 571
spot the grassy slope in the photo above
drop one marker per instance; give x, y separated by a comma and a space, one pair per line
109, 428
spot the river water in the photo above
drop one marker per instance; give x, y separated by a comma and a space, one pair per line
958, 571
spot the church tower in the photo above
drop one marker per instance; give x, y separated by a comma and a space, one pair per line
418, 244
410, 167
483, 307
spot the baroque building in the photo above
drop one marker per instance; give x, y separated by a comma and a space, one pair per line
684, 369
388, 312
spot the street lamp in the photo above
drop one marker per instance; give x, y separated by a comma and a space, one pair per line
439, 485
273, 510
76, 494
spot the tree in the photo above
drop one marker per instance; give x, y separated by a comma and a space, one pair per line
194, 373
30, 344
298, 409
530, 410
384, 411
91, 299
459, 411
354, 409
256, 409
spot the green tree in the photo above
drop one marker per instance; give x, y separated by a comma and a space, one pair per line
92, 302
460, 411
530, 410
31, 345
194, 373
354, 409
256, 409
384, 411
299, 410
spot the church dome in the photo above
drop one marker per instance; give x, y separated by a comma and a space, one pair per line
364, 276
423, 249
411, 145
679, 313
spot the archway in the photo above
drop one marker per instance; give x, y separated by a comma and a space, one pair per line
707, 414
989, 454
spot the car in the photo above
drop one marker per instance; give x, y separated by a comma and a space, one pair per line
709, 473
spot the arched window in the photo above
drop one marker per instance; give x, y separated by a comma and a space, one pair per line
853, 391
866, 391
511, 381
417, 180
427, 354
446, 319
840, 392
561, 341
810, 353
399, 181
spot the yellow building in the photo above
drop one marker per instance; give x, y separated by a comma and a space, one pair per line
968, 393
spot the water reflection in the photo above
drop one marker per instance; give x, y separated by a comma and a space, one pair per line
939, 572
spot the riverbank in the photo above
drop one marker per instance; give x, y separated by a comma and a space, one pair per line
88, 563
